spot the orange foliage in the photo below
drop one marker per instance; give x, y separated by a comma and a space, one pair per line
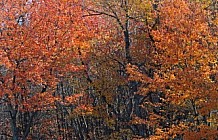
186, 56
39, 44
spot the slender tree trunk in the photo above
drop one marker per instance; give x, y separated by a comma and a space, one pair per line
127, 45
13, 122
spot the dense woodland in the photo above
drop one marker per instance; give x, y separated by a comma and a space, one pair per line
108, 70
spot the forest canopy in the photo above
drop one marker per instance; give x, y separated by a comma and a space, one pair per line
109, 69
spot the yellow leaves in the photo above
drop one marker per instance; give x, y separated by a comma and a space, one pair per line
204, 3
110, 122
141, 6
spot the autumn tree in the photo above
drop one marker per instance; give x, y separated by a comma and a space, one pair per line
42, 42
121, 42
185, 55
115, 69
